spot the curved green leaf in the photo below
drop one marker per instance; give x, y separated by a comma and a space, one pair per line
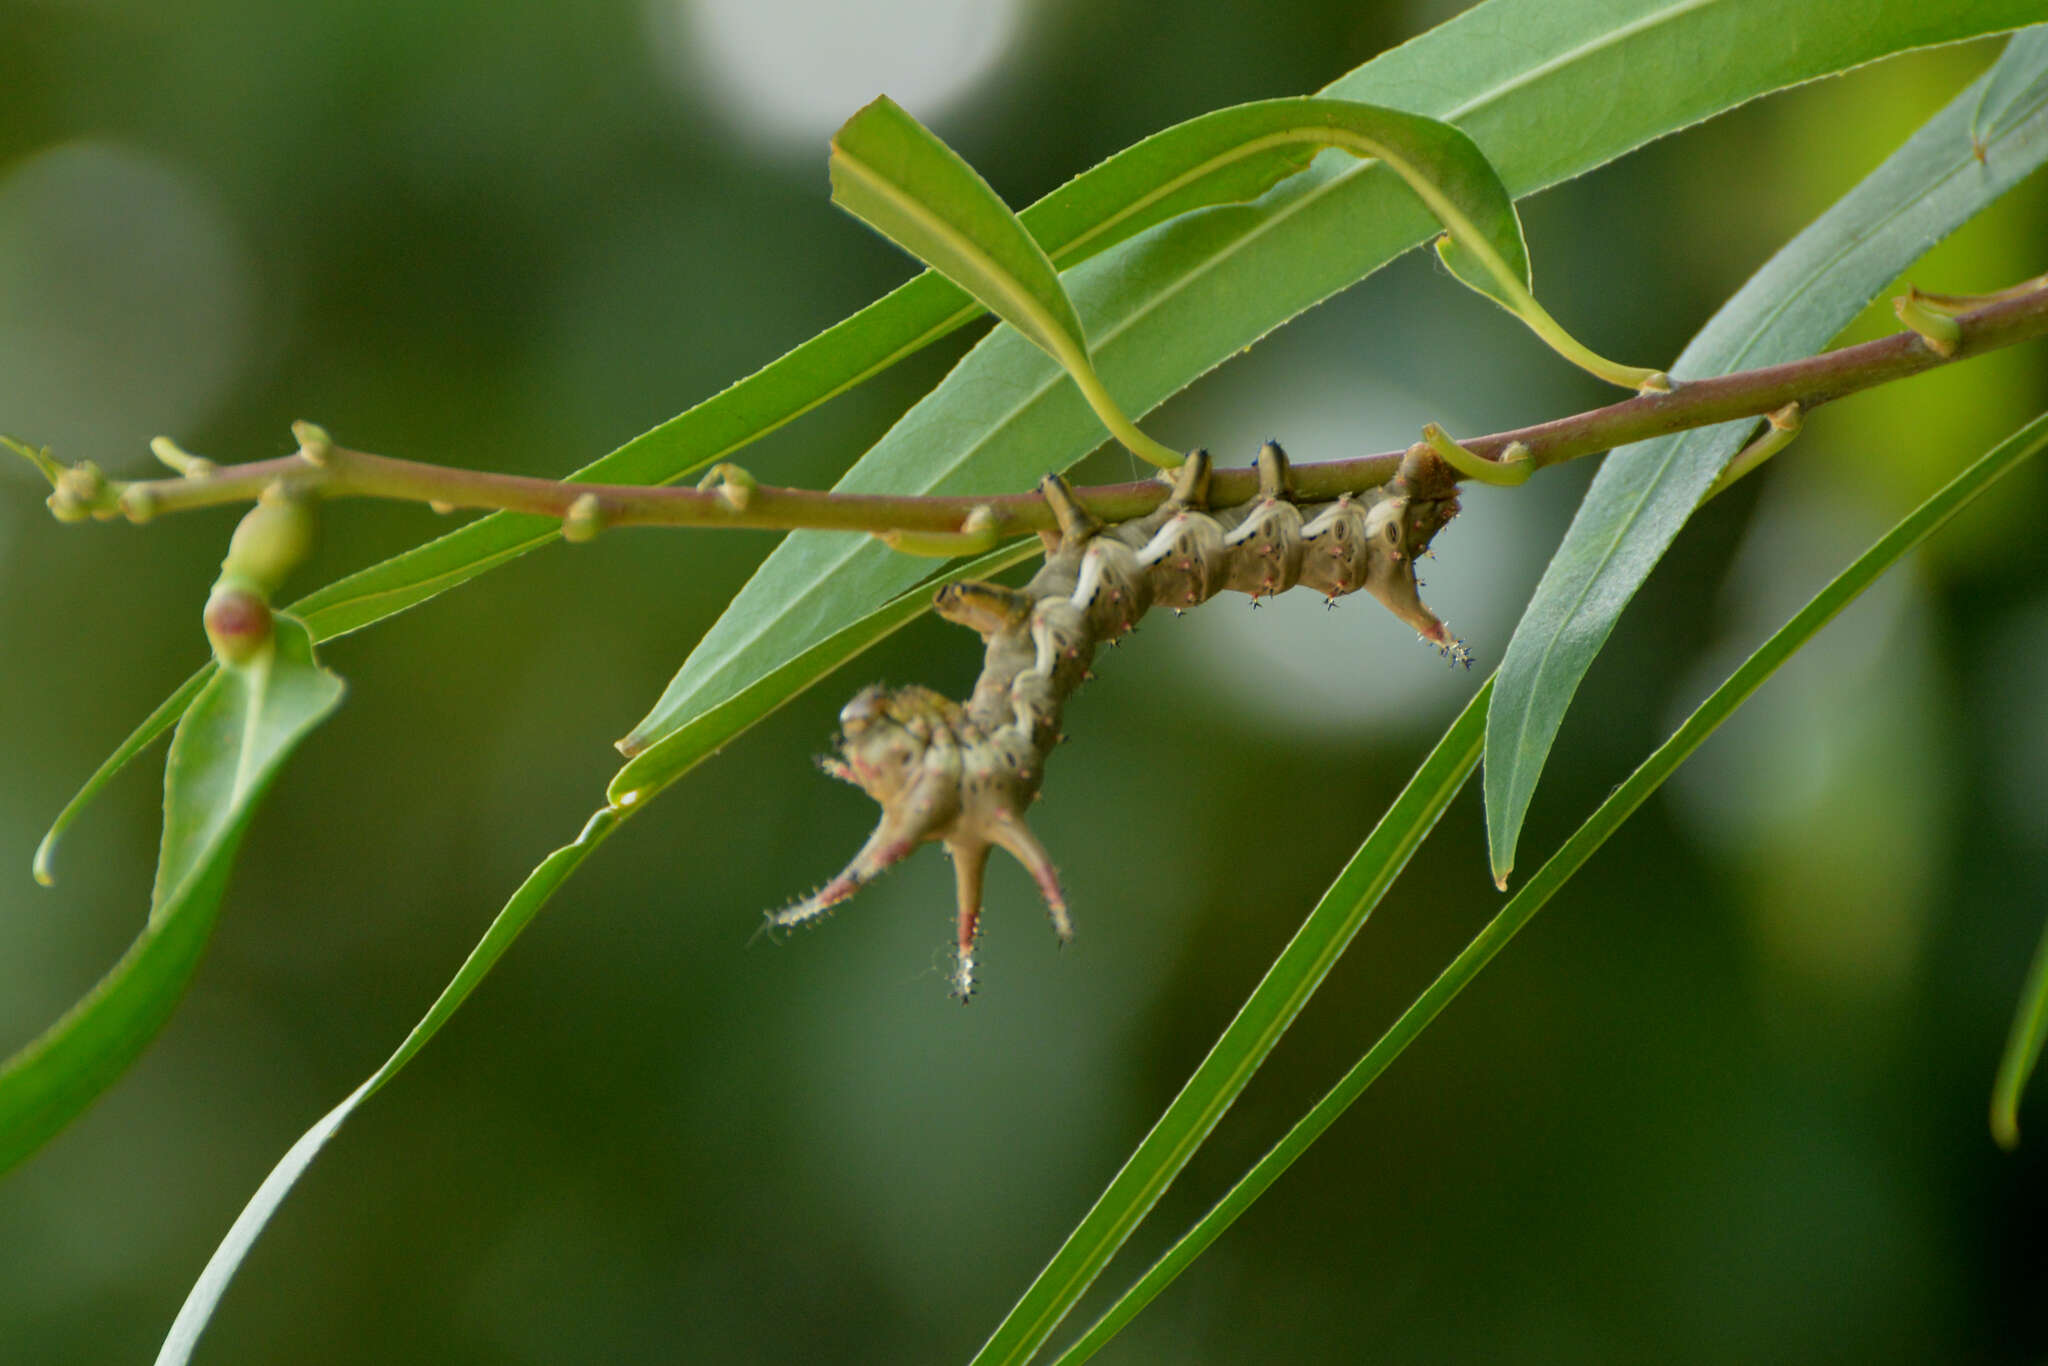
1922, 522
534, 893
230, 744
142, 737
1245, 1045
896, 176
2022, 1049
1644, 493
1517, 75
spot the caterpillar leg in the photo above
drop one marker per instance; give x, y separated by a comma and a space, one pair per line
888, 846
1017, 840
970, 863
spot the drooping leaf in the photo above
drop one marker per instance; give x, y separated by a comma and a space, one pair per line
229, 746
899, 178
895, 175
1517, 75
2022, 1049
1825, 605
540, 885
142, 737
1644, 493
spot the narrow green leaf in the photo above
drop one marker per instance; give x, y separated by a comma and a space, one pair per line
230, 744
1244, 1046
1922, 522
2022, 1049
903, 181
142, 737
1644, 493
518, 913
683, 748
1517, 75
895, 175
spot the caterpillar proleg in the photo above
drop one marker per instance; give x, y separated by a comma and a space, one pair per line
964, 773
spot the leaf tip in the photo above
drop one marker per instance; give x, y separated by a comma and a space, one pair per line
41, 867
1500, 877
2005, 1125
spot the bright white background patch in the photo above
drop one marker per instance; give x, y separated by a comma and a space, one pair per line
789, 72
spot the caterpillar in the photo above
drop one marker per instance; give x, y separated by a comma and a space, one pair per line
963, 773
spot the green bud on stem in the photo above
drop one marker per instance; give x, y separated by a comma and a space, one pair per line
584, 519
272, 539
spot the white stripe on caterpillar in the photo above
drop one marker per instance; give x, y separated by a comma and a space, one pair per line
964, 773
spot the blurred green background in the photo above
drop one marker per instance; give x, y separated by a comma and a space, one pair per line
1725, 1101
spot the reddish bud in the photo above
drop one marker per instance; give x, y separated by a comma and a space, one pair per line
238, 624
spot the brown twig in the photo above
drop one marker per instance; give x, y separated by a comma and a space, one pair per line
732, 499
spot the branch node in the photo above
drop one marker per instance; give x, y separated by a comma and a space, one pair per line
734, 486
314, 443
1936, 328
583, 520
180, 461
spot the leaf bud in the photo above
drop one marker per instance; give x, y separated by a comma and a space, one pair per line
272, 539
237, 622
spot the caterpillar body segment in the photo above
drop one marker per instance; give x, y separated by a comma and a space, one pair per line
964, 773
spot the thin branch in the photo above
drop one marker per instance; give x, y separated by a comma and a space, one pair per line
730, 498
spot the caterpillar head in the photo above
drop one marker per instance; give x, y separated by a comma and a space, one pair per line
886, 738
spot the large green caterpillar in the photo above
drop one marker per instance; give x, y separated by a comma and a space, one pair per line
964, 773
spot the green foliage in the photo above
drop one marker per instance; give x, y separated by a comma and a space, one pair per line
1163, 309
1155, 294
230, 745
1626, 799
1791, 308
